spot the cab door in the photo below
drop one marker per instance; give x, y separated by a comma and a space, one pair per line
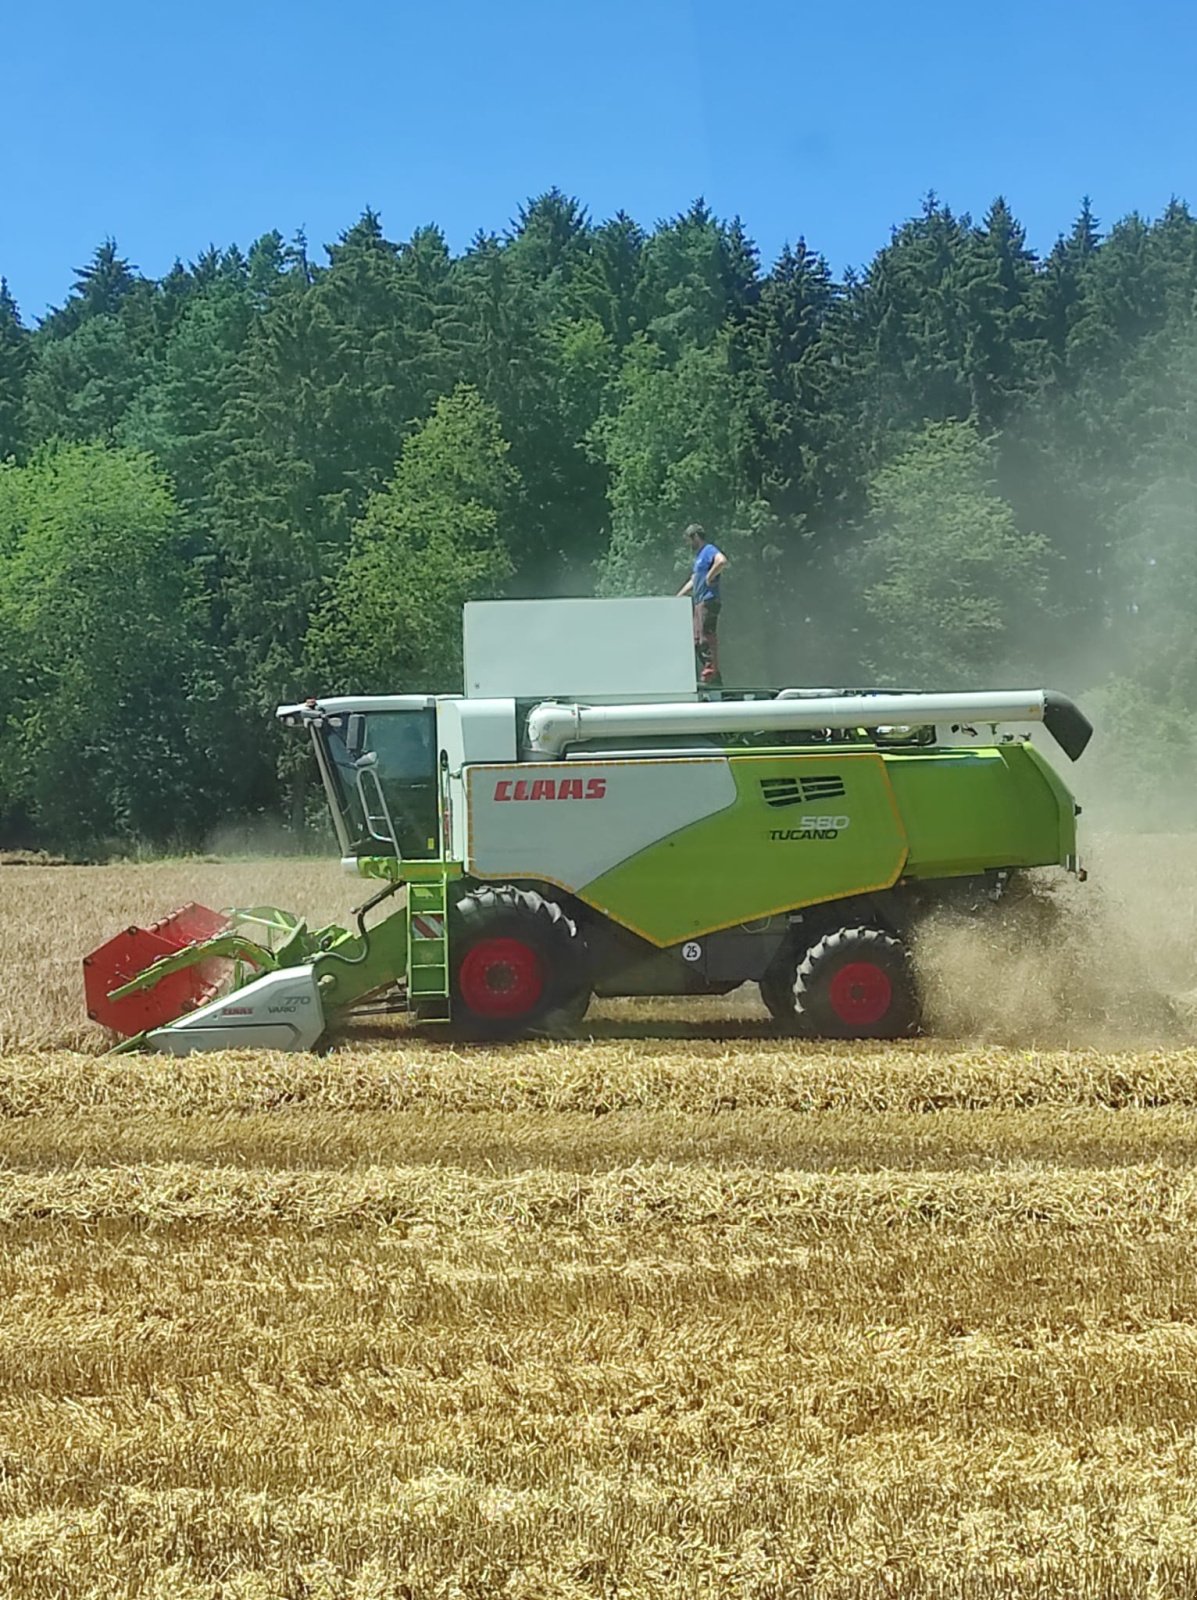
395, 754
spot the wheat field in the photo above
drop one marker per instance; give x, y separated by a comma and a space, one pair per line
676, 1309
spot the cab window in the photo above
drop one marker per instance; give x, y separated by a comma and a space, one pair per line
404, 746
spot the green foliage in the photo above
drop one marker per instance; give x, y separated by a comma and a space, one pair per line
1143, 763
427, 542
109, 703
961, 463
1154, 555
101, 289
15, 356
84, 384
698, 275
674, 450
787, 359
177, 416
947, 569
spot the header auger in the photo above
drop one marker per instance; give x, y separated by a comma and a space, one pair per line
581, 822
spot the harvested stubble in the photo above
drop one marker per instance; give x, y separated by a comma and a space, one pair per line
658, 1316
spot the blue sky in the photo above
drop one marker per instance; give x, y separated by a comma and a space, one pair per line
171, 127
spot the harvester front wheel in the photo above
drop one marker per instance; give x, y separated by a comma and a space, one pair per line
519, 965
856, 983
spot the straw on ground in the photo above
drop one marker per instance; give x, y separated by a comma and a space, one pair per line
660, 1315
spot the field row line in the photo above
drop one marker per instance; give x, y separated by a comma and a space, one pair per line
1130, 1198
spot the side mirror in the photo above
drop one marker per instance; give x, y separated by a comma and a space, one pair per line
355, 734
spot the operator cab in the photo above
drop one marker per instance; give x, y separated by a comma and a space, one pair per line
378, 761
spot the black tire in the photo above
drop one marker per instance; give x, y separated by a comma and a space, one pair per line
565, 1021
777, 987
518, 965
857, 983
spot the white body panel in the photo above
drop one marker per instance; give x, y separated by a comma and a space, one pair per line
552, 727
470, 731
280, 1011
344, 704
524, 824
627, 650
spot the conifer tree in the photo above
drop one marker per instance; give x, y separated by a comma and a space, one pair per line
15, 357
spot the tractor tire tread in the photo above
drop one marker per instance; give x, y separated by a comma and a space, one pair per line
812, 1015
495, 907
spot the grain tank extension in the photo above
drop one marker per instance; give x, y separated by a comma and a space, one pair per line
583, 822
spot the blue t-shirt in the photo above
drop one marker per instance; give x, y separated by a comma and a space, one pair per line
703, 590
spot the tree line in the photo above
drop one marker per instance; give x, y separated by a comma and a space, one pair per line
265, 475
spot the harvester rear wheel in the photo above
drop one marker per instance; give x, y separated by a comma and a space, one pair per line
856, 983
519, 965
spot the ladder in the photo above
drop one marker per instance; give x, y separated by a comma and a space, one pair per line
428, 947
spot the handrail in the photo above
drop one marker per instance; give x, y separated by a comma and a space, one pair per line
367, 770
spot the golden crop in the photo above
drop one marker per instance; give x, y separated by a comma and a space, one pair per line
677, 1310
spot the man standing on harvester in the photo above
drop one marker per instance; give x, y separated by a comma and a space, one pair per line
703, 588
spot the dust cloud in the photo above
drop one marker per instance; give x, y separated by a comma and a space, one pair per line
252, 838
1111, 962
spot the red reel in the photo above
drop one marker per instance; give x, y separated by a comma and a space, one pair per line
132, 951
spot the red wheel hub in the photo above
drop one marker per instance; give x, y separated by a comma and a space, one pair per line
501, 978
861, 993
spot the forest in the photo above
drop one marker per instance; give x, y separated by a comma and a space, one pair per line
279, 471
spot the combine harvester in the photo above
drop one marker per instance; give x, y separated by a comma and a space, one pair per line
581, 822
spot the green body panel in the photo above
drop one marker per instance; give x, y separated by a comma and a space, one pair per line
393, 870
347, 970
750, 860
927, 814
395, 950
969, 810
790, 839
